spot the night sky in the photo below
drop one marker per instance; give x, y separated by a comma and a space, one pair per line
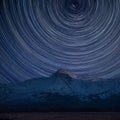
38, 37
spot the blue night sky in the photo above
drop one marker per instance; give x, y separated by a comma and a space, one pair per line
38, 37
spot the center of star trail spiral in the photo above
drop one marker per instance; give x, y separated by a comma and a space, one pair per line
37, 37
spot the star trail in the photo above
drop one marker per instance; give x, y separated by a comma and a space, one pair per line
38, 37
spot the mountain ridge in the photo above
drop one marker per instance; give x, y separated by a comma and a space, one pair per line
60, 91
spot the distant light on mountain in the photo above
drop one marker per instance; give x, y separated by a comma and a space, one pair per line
71, 74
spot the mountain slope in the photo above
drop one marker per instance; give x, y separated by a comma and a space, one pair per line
60, 91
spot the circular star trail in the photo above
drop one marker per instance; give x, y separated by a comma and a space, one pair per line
37, 37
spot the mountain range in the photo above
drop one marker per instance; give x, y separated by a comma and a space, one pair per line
62, 91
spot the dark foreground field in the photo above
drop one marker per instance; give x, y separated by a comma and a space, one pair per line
61, 116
